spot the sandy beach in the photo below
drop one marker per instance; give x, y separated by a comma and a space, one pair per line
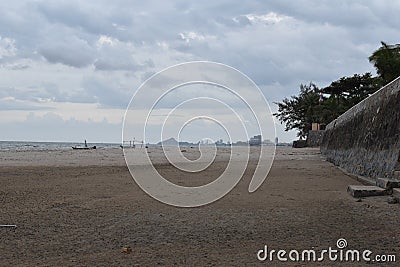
80, 208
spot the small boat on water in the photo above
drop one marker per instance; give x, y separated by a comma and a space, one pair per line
131, 144
86, 147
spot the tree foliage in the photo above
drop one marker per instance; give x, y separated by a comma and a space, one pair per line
299, 112
348, 91
387, 62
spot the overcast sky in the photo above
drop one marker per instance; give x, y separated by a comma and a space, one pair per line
69, 68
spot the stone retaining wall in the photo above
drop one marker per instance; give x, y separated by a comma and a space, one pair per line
314, 138
365, 139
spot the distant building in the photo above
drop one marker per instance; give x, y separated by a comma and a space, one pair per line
267, 142
240, 143
255, 140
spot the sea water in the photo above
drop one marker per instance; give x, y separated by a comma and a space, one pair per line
28, 145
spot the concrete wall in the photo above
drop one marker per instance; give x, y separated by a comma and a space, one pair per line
365, 139
314, 138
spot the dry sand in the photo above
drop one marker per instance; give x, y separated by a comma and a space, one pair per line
79, 208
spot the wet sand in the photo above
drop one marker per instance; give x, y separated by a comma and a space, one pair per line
79, 208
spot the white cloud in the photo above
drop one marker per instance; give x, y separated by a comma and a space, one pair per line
105, 40
188, 36
7, 47
269, 18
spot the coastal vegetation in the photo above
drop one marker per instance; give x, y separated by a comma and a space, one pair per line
322, 105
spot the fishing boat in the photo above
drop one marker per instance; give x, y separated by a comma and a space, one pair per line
86, 147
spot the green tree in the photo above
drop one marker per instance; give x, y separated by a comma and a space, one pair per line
348, 91
387, 62
298, 112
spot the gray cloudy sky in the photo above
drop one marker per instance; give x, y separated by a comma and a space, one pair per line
69, 68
